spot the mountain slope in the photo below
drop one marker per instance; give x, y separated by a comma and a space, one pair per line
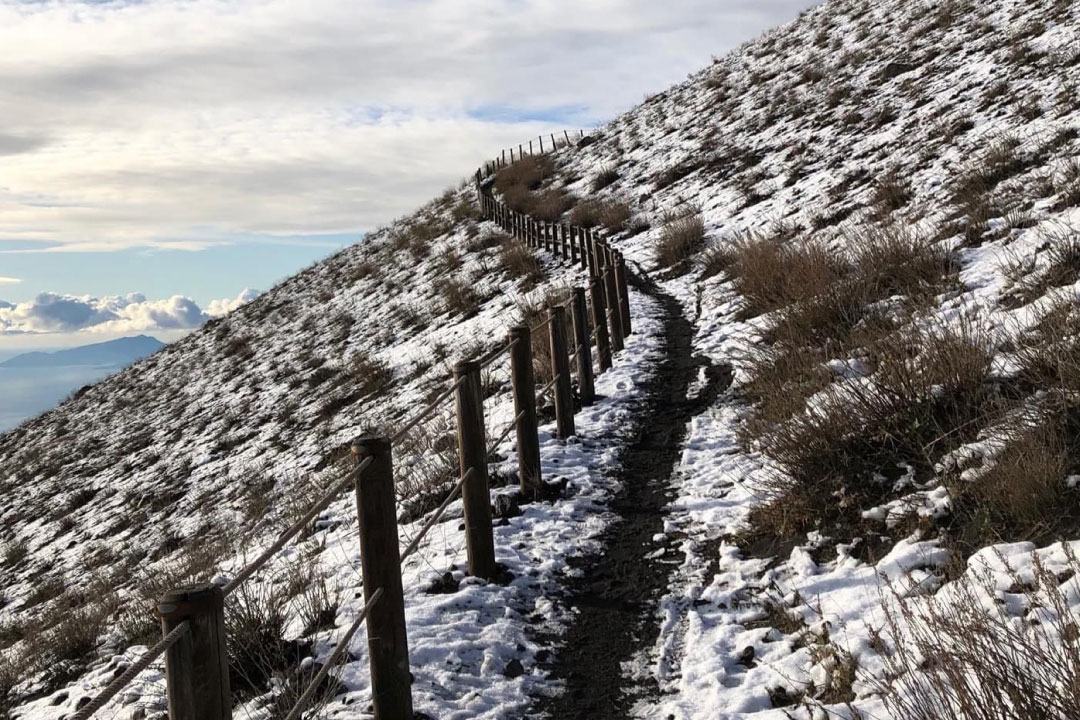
867, 213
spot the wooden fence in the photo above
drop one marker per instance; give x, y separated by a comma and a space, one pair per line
193, 618
553, 142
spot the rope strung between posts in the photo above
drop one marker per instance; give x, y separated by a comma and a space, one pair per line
506, 433
547, 388
397, 437
335, 656
494, 354
435, 518
539, 325
137, 667
296, 527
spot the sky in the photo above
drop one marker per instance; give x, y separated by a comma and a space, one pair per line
161, 161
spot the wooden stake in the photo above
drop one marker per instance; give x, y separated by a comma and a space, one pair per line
624, 292
560, 367
197, 665
528, 442
472, 453
612, 297
598, 313
388, 644
583, 359
568, 238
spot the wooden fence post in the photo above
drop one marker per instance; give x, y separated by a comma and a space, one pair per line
197, 665
612, 292
560, 368
586, 387
590, 253
530, 147
624, 292
567, 136
388, 644
504, 158
599, 323
528, 441
550, 238
472, 454
568, 240
565, 245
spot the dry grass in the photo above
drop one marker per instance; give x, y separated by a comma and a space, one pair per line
680, 239
613, 216
604, 178
528, 173
522, 264
967, 654
459, 298
925, 392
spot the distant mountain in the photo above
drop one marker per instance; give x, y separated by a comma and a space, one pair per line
119, 353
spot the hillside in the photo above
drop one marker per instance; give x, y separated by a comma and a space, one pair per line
865, 220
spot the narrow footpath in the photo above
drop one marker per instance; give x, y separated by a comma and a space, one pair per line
615, 597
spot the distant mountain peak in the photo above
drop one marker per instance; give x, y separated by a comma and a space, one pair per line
114, 353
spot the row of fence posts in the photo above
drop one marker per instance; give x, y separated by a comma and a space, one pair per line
197, 674
501, 161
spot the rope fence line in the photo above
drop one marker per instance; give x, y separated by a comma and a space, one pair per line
198, 613
334, 658
320, 505
119, 683
415, 544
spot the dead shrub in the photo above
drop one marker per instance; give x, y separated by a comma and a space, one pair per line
522, 264
255, 628
371, 375
924, 392
604, 178
680, 239
891, 192
613, 216
1023, 495
529, 173
459, 298
975, 653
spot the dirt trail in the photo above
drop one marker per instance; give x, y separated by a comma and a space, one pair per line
617, 594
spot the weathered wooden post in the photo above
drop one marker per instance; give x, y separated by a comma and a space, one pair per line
472, 454
197, 665
549, 239
567, 136
581, 345
530, 147
599, 323
511, 156
541, 144
565, 245
553, 148
624, 292
528, 441
388, 644
504, 158
590, 253
568, 239
612, 296
560, 368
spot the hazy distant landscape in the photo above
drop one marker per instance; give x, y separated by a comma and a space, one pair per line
30, 388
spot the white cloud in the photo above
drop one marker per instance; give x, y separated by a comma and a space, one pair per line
9, 280
50, 313
178, 122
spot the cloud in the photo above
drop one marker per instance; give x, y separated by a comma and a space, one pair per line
172, 122
55, 313
9, 280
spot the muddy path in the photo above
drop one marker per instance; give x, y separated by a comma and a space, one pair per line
616, 595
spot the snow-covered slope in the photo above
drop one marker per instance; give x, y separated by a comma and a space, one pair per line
950, 125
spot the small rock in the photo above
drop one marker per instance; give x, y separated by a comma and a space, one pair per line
59, 698
507, 506
746, 657
896, 69
514, 669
